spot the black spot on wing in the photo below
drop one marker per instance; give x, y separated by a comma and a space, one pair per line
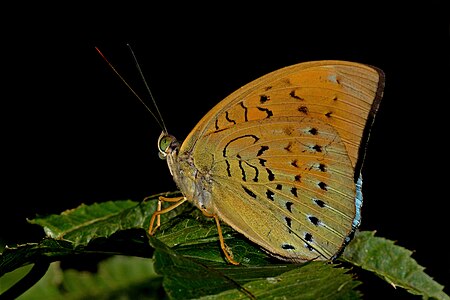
267, 111
270, 194
288, 221
303, 110
264, 98
323, 186
294, 191
227, 116
293, 95
322, 167
244, 177
317, 148
287, 247
244, 174
314, 220
245, 111
289, 206
313, 131
319, 202
261, 150
262, 162
249, 192
254, 137
308, 237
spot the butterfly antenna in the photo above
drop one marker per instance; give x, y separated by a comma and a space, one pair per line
148, 88
160, 122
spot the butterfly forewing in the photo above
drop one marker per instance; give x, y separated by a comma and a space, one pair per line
282, 152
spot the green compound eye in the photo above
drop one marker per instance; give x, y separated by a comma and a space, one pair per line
164, 142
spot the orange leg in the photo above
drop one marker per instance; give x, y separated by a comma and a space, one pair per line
224, 247
159, 211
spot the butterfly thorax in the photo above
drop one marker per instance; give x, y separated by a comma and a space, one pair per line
194, 184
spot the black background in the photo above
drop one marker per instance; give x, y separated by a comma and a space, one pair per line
72, 133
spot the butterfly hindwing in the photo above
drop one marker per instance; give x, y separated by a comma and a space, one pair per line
292, 180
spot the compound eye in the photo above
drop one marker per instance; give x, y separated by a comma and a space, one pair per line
164, 142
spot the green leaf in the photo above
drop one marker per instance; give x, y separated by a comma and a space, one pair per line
392, 263
313, 280
188, 253
195, 236
86, 222
48, 249
187, 278
73, 230
119, 277
9, 279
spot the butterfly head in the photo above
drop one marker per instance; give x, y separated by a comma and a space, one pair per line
167, 144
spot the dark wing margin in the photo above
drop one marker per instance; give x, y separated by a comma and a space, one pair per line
369, 123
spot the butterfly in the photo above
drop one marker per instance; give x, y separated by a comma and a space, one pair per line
279, 160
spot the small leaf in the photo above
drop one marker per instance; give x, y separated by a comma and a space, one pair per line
86, 222
11, 278
48, 249
127, 242
392, 263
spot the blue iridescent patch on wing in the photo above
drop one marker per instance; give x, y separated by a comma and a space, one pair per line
356, 219
358, 203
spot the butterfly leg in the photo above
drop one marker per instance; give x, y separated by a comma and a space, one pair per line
159, 211
224, 247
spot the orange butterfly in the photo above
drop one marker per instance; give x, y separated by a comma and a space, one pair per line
280, 159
